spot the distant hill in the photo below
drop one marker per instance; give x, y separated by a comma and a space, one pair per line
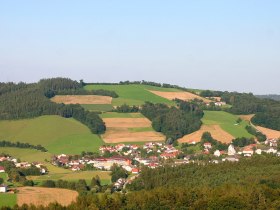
270, 96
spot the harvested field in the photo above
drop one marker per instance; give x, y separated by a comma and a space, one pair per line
124, 135
82, 99
271, 134
44, 196
247, 117
186, 96
127, 122
216, 131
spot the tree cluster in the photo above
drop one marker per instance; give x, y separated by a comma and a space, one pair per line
243, 141
22, 145
260, 136
126, 109
216, 145
171, 121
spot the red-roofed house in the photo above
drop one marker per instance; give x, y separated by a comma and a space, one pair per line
207, 145
135, 171
2, 169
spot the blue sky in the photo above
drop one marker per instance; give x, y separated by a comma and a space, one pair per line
224, 45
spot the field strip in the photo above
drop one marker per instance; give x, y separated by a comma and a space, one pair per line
216, 131
82, 99
44, 196
127, 122
186, 96
271, 134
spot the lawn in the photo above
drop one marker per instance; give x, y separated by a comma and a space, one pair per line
98, 107
74, 176
56, 134
227, 122
8, 200
134, 94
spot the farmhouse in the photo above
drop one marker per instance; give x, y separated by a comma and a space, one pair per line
2, 169
231, 150
207, 145
3, 188
248, 152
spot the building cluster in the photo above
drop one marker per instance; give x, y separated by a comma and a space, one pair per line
3, 187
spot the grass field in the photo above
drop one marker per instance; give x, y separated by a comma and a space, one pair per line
227, 122
8, 200
98, 107
73, 176
134, 94
121, 115
57, 134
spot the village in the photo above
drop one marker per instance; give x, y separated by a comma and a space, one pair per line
155, 154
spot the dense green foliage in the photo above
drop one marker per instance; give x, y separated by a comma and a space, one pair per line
126, 109
260, 136
171, 121
22, 145
242, 142
271, 96
21, 100
117, 173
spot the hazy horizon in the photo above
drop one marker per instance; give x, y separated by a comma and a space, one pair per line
217, 45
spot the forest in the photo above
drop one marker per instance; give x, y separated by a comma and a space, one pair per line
20, 101
171, 121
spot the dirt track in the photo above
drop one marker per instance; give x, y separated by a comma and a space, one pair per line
82, 99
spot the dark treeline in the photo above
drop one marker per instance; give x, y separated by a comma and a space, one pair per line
81, 91
19, 101
271, 96
126, 109
260, 136
22, 145
211, 93
243, 141
171, 121
250, 184
143, 82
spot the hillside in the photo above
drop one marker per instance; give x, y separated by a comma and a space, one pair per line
58, 135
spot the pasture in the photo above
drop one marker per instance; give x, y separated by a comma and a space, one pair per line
98, 107
57, 134
44, 196
7, 199
227, 122
134, 94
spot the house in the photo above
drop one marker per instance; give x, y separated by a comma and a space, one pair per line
207, 145
217, 153
258, 151
2, 169
135, 171
3, 159
248, 152
230, 159
3, 188
271, 151
231, 150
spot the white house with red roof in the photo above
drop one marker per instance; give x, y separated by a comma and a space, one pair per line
207, 145
2, 169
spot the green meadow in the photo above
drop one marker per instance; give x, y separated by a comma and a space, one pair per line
134, 94
227, 122
8, 200
121, 115
56, 134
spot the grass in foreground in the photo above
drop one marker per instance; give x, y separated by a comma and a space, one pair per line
227, 122
56, 134
134, 94
8, 199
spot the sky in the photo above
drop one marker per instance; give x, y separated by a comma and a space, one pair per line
219, 44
